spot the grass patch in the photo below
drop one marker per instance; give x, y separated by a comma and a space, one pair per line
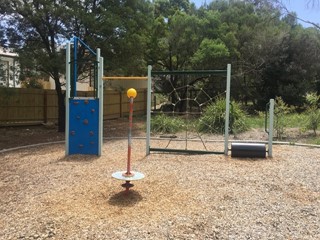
295, 120
255, 121
166, 124
314, 140
292, 120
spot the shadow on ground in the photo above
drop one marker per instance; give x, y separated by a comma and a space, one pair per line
125, 199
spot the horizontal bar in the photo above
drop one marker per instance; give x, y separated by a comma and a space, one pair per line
183, 151
191, 72
123, 78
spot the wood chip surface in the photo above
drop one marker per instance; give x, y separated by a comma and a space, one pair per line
45, 195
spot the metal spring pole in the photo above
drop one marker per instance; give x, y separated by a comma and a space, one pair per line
128, 173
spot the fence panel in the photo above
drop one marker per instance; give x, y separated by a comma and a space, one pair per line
21, 105
25, 106
111, 104
50, 106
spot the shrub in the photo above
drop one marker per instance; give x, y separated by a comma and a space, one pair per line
313, 112
280, 111
162, 123
213, 118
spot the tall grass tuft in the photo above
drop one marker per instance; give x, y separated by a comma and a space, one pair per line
213, 118
162, 123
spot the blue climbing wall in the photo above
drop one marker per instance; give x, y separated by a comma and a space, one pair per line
84, 126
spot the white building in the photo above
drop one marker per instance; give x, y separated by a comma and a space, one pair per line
82, 85
9, 69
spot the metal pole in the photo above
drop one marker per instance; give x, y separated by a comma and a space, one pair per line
75, 67
128, 173
124, 78
100, 97
271, 113
101, 105
67, 97
148, 111
226, 126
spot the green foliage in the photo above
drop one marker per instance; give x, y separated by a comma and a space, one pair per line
291, 120
271, 54
166, 124
313, 112
281, 110
256, 121
160, 98
210, 51
33, 83
213, 118
295, 120
312, 100
315, 140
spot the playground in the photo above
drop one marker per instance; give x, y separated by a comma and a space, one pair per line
47, 195
189, 186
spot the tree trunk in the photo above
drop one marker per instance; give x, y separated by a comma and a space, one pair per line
61, 105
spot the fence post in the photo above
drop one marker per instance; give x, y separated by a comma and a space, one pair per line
270, 137
226, 126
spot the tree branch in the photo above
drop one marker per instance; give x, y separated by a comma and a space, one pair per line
313, 3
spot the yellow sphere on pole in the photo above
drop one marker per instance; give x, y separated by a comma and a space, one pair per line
131, 93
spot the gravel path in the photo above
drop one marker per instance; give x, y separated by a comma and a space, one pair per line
45, 195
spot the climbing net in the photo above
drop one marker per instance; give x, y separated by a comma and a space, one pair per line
180, 120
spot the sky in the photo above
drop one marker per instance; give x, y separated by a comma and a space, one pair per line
301, 7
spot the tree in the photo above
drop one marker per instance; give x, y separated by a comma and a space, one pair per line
309, 3
270, 56
35, 29
175, 37
38, 29
250, 31
313, 111
121, 30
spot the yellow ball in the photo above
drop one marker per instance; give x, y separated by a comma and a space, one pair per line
131, 93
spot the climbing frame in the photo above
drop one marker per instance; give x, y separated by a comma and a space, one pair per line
84, 115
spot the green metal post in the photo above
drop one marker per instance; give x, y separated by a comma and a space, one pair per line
67, 98
148, 111
226, 126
